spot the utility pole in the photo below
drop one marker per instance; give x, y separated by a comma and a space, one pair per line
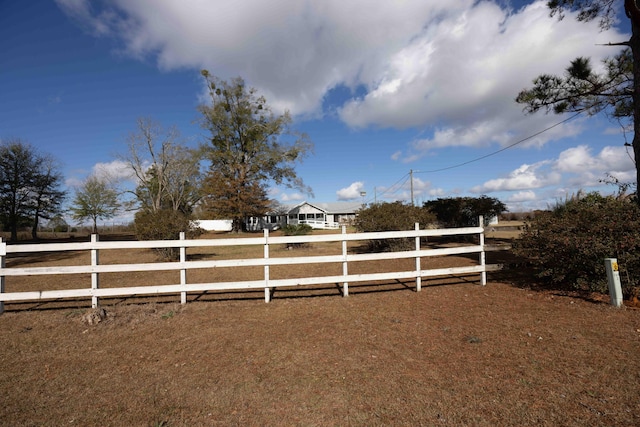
411, 178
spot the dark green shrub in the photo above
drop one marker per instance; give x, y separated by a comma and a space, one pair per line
394, 216
464, 211
568, 244
297, 230
164, 225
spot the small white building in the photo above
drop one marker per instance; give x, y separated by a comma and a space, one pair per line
214, 224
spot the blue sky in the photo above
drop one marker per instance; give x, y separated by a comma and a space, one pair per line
380, 90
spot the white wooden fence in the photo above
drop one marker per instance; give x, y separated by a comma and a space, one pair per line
323, 225
95, 269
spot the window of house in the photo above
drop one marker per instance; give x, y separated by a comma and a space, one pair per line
273, 219
320, 216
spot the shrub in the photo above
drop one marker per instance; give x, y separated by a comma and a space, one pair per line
164, 225
568, 244
464, 211
394, 216
296, 230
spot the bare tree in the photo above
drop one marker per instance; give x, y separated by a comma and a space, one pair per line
168, 172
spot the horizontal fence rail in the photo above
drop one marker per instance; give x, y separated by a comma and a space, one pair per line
94, 269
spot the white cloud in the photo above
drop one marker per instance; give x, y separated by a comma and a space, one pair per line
522, 196
575, 167
451, 64
294, 197
437, 192
442, 76
524, 178
293, 51
73, 182
351, 192
116, 171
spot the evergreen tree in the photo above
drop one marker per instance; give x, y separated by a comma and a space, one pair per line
615, 92
249, 148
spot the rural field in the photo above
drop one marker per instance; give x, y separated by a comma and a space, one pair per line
456, 353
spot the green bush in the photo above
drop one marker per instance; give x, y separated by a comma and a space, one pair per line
297, 230
394, 216
464, 211
164, 225
568, 244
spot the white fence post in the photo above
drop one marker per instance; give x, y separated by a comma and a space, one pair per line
95, 279
483, 275
345, 267
3, 254
267, 290
613, 278
418, 269
183, 271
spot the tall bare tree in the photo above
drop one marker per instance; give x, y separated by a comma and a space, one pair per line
168, 172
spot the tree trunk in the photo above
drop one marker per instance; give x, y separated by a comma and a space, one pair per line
14, 231
34, 229
634, 43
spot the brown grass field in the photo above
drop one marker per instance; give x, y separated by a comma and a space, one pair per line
456, 353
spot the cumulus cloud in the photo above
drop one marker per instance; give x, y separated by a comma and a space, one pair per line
351, 192
454, 65
116, 171
536, 175
293, 51
293, 197
437, 192
575, 166
522, 196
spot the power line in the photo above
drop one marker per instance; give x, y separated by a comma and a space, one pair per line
502, 149
391, 190
410, 175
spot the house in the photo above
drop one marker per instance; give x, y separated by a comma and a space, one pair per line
317, 215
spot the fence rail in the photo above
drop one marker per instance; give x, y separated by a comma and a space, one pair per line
183, 266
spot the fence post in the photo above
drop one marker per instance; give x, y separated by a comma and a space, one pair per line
267, 290
613, 278
3, 255
95, 280
183, 270
345, 267
483, 274
418, 269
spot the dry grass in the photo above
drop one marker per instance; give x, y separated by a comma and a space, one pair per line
454, 354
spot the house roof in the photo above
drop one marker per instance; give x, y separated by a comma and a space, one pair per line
340, 207
329, 207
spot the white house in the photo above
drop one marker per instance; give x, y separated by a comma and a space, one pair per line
317, 215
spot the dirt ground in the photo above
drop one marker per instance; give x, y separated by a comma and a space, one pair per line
456, 353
